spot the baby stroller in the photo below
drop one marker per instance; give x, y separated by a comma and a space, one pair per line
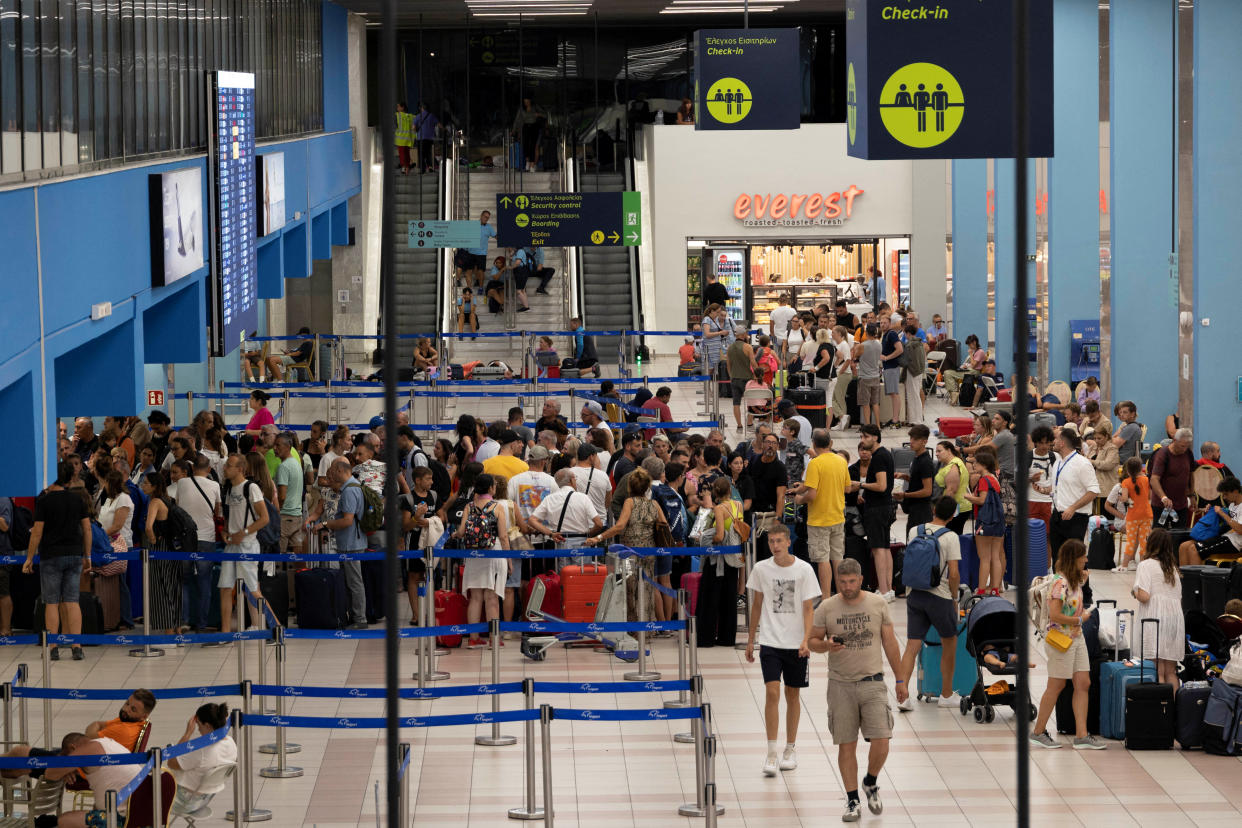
992, 628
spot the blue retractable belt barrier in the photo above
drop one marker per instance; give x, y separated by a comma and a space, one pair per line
125, 793
19, 640
197, 743
378, 723
89, 694
138, 640
611, 686
404, 632
626, 715
591, 628
291, 691
671, 593
102, 557
81, 761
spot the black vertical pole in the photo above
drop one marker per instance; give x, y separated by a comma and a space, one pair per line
1021, 333
392, 517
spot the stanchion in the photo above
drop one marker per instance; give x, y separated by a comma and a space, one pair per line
146, 650
545, 748
702, 730
495, 739
246, 768
427, 644
157, 792
713, 808
640, 597
235, 815
23, 723
239, 609
709, 799
262, 650
47, 685
696, 699
530, 810
748, 563
7, 690
404, 756
281, 746
682, 700
110, 809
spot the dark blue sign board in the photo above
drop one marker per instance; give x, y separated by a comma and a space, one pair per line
568, 219
936, 80
746, 79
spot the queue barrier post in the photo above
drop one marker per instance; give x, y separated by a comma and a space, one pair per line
239, 620
47, 684
642, 673
110, 809
404, 791
545, 748
682, 700
146, 650
282, 746
709, 799
495, 739
712, 807
696, 681
157, 792
528, 811
698, 807
251, 813
235, 815
262, 650
23, 723
427, 645
7, 690
748, 564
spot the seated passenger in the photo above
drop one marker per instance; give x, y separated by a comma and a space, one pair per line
195, 768
124, 730
277, 365
466, 313
101, 778
495, 288
426, 358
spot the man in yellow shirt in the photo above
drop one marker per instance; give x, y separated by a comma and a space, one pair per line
507, 463
823, 487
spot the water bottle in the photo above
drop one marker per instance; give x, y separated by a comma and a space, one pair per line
1168, 518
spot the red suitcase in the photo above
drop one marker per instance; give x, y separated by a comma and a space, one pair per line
581, 587
955, 426
690, 583
1004, 395
552, 601
450, 609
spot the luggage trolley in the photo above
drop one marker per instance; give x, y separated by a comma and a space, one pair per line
611, 609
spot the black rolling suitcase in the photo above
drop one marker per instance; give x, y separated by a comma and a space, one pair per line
322, 601
1100, 553
1192, 701
724, 387
1215, 589
851, 403
812, 403
1151, 714
1192, 587
1235, 581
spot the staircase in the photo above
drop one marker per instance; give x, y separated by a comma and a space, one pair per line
416, 197
607, 295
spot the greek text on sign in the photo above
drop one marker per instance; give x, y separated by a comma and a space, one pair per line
568, 219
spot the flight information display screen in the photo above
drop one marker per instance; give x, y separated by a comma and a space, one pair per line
235, 295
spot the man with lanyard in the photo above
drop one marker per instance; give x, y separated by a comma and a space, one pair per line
565, 516
1074, 489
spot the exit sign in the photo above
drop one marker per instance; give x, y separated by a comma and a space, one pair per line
155, 399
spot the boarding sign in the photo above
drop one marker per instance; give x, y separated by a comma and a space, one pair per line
746, 79
443, 233
568, 219
935, 79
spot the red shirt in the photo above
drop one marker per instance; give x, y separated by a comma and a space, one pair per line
665, 415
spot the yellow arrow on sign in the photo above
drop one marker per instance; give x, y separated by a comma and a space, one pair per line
505, 201
615, 237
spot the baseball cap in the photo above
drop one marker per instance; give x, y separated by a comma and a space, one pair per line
509, 436
689, 338
586, 450
594, 407
538, 453
376, 422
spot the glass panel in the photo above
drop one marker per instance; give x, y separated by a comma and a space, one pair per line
49, 81
32, 154
10, 98
133, 103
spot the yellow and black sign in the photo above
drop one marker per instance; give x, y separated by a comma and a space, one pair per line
747, 79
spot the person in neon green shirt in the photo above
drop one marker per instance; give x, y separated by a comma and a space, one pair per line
403, 137
954, 480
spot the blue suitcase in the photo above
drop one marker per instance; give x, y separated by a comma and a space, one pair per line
1115, 677
964, 673
968, 566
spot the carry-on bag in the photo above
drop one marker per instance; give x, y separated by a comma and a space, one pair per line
581, 587
1192, 699
1151, 715
322, 604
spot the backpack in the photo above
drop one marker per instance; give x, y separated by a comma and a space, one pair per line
19, 528
182, 531
441, 482
100, 542
921, 567
674, 510
1040, 597
372, 517
481, 528
914, 357
992, 511
138, 519
269, 535
768, 365
1207, 527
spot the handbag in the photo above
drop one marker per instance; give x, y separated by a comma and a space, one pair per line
1059, 640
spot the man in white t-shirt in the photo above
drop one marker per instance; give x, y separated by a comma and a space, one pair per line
528, 489
246, 513
200, 497
935, 607
592, 480
1042, 460
785, 590
778, 319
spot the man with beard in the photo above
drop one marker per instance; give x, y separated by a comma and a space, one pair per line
124, 730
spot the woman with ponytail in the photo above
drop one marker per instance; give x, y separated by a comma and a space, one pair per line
193, 770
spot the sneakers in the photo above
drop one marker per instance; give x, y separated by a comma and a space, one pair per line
1130, 567
853, 811
873, 798
890, 596
1043, 740
954, 702
790, 760
769, 765
78, 655
907, 705
1091, 742
53, 653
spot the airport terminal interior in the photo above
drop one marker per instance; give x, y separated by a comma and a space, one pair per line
469, 412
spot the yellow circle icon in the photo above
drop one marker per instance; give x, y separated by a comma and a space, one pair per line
522, 202
922, 105
521, 219
851, 104
597, 237
729, 100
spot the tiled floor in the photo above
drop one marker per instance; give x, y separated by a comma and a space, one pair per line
944, 769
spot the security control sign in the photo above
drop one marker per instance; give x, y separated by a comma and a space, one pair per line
746, 79
443, 233
935, 79
568, 219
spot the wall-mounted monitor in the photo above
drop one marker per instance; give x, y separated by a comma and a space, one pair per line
177, 238
270, 176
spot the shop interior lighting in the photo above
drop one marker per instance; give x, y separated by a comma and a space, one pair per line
715, 9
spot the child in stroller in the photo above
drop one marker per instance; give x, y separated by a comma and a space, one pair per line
991, 638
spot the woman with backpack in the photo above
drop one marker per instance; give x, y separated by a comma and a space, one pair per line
722, 524
1158, 588
637, 529
165, 531
483, 526
1138, 516
989, 523
1065, 648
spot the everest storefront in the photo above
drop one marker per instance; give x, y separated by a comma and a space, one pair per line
770, 214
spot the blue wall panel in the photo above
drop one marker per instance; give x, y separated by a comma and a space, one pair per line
271, 265
332, 172
169, 322
296, 260
335, 68
321, 235
970, 249
112, 352
1144, 298
19, 322
1073, 179
1218, 180
17, 400
340, 224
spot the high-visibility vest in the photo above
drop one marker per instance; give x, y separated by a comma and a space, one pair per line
404, 136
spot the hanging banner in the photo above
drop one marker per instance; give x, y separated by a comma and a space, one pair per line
746, 79
936, 79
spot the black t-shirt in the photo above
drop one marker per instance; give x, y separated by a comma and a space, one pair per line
61, 512
921, 470
716, 293
889, 343
881, 461
556, 424
454, 512
766, 477
302, 352
87, 449
410, 503
826, 372
619, 467
847, 321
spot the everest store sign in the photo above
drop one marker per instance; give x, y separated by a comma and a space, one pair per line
801, 210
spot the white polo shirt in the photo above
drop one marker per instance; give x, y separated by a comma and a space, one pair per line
1072, 477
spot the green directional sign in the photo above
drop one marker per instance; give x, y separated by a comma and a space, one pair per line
568, 219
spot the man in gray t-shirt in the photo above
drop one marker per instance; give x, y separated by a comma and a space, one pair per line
867, 355
1129, 436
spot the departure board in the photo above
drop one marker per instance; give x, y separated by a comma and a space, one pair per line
235, 296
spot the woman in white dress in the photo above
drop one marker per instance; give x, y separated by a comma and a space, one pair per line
483, 526
1158, 588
